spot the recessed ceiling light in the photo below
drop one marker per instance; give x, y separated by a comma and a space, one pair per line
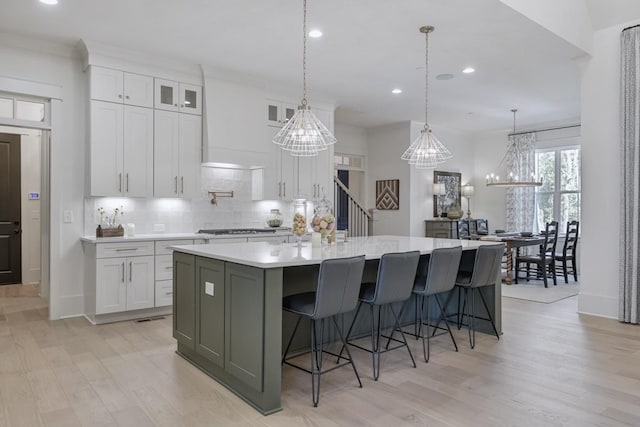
444, 76
49, 2
469, 70
315, 34
396, 91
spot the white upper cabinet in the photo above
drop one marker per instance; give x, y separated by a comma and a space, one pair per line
316, 172
175, 96
178, 138
279, 113
121, 159
120, 87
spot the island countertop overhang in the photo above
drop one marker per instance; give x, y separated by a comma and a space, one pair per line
270, 255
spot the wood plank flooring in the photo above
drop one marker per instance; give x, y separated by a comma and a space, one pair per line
552, 367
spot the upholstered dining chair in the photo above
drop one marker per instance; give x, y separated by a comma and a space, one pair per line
569, 252
544, 261
337, 293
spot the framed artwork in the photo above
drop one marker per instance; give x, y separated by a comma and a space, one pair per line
388, 194
452, 183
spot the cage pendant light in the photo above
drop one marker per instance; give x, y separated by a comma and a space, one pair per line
304, 134
426, 152
516, 163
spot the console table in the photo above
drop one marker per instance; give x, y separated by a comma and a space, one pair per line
441, 228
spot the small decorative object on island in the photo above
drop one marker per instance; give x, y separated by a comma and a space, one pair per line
323, 221
299, 226
109, 225
274, 219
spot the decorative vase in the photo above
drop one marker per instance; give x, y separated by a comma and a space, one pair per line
299, 225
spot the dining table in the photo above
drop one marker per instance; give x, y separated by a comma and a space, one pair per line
513, 241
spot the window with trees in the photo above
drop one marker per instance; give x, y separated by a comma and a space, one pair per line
559, 196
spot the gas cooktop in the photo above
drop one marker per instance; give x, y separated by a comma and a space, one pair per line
221, 231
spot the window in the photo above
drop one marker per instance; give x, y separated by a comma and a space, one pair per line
559, 197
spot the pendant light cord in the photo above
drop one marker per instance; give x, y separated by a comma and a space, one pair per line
304, 54
426, 80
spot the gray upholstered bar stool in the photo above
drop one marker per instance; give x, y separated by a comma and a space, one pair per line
485, 273
394, 282
337, 292
437, 277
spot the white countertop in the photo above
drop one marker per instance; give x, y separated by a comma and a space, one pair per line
269, 255
176, 236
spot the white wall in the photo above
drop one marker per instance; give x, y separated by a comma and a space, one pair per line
30, 180
601, 175
40, 61
568, 19
351, 140
386, 145
461, 147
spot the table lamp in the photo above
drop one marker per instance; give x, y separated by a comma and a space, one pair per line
467, 191
439, 190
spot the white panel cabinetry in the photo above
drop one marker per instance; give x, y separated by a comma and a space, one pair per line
121, 87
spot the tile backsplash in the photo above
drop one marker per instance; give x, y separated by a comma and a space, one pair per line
186, 216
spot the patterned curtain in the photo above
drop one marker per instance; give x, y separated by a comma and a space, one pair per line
520, 201
630, 171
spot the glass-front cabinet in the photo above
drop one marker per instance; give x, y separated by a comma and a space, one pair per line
175, 96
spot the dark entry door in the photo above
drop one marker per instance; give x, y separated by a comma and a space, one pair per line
10, 264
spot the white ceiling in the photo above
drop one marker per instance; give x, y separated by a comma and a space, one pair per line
368, 48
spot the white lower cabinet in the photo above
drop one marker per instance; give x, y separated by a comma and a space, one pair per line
123, 284
164, 270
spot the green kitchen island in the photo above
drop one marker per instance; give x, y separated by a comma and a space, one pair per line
227, 303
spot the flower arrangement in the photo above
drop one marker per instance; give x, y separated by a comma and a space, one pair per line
110, 221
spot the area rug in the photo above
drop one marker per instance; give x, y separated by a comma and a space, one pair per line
536, 292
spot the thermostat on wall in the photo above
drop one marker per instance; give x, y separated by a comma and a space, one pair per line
34, 196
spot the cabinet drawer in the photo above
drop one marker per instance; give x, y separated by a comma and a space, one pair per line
164, 293
439, 226
162, 246
164, 267
111, 250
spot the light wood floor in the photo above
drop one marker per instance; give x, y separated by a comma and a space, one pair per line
552, 367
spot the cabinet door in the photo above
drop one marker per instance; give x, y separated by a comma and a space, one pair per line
287, 168
184, 299
140, 282
190, 99
106, 84
189, 161
106, 137
166, 95
279, 113
210, 310
138, 151
138, 90
166, 137
243, 323
110, 285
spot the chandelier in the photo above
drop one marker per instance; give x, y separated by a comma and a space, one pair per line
426, 152
304, 134
516, 163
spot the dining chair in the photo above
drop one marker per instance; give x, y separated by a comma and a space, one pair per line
337, 293
569, 251
544, 261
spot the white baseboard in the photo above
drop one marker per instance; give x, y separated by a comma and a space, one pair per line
598, 305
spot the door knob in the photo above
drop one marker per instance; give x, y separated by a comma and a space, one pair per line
16, 231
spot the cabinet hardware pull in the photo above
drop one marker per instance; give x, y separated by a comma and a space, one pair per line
279, 189
127, 97
176, 183
284, 186
175, 105
126, 249
169, 268
119, 183
120, 95
182, 185
130, 270
168, 293
127, 181
122, 271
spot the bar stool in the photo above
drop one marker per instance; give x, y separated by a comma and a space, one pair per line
337, 292
437, 277
394, 282
485, 273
